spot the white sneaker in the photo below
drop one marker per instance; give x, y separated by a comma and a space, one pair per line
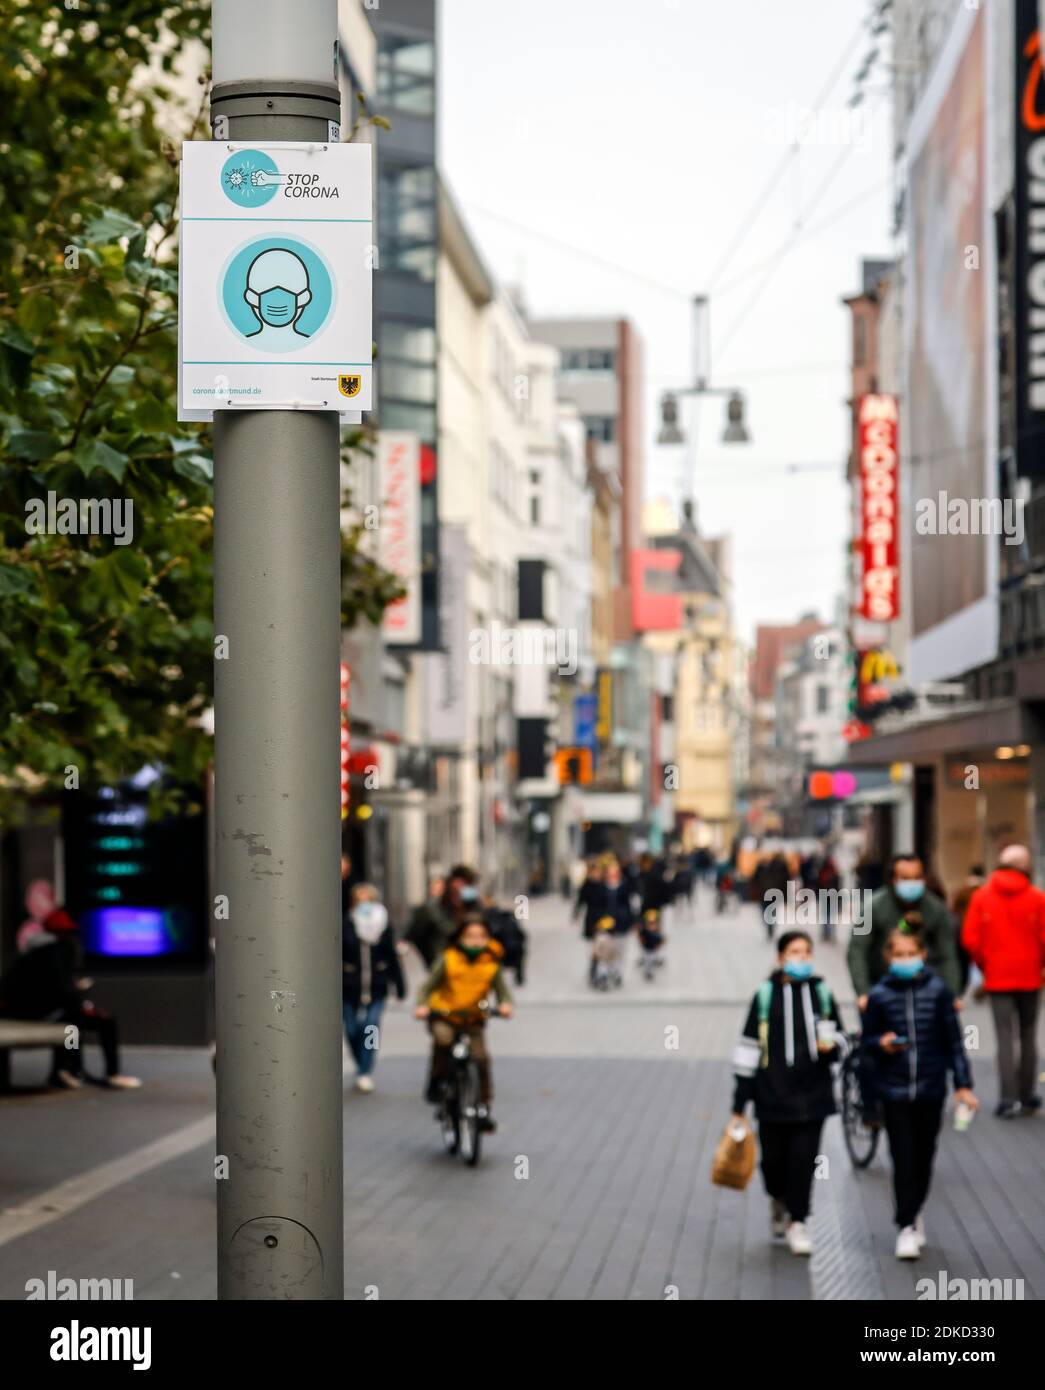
777, 1218
798, 1239
364, 1083
123, 1083
908, 1246
67, 1080
919, 1230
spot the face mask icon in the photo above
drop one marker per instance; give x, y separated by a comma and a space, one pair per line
278, 293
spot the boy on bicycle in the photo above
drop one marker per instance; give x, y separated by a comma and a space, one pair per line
453, 999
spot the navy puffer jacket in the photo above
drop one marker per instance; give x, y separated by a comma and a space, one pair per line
922, 1011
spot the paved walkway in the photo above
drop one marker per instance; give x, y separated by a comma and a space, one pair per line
596, 1187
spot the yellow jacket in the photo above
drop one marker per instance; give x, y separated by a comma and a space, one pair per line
459, 985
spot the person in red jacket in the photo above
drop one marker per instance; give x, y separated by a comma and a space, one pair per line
1004, 933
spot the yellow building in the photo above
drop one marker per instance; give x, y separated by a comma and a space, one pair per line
701, 774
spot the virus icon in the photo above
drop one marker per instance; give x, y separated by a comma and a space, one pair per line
250, 178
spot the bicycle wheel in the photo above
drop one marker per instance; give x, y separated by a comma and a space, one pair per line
450, 1118
471, 1131
861, 1139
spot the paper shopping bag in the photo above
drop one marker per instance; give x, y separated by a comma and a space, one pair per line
734, 1160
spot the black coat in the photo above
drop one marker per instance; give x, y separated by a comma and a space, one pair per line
42, 980
590, 897
921, 1010
506, 929
367, 972
657, 889
795, 1083
430, 930
617, 903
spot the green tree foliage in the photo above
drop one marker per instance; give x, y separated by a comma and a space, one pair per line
105, 650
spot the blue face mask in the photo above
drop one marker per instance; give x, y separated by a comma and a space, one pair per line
469, 895
909, 890
798, 969
907, 969
277, 307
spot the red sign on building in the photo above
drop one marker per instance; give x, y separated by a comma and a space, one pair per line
346, 742
656, 606
879, 508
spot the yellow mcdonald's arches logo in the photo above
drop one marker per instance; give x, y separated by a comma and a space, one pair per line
349, 385
878, 666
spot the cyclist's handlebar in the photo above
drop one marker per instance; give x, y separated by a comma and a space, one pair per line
463, 1016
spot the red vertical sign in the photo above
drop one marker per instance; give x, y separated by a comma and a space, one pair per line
345, 742
879, 508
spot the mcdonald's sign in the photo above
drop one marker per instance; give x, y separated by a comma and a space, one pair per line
874, 668
877, 666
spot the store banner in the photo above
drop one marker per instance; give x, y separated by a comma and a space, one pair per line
399, 531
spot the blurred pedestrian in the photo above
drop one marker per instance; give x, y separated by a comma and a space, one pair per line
889, 908
808, 869
782, 1063
774, 876
432, 924
369, 968
828, 880
614, 919
47, 982
508, 931
911, 1040
655, 885
590, 895
651, 942
725, 886
1004, 933
970, 972
348, 878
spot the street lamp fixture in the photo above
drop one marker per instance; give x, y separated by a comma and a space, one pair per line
670, 431
736, 430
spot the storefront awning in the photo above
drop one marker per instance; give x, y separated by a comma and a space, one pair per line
611, 808
991, 725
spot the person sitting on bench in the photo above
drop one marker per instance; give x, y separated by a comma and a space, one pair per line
44, 982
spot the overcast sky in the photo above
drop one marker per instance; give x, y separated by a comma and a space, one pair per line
580, 132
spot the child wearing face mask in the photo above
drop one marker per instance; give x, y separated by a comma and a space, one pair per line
782, 1063
453, 999
911, 1040
369, 968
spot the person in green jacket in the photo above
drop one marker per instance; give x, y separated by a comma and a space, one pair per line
905, 894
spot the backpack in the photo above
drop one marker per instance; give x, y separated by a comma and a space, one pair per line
765, 994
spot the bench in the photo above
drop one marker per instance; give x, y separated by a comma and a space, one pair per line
18, 1032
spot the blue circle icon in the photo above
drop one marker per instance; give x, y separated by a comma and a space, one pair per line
250, 178
276, 293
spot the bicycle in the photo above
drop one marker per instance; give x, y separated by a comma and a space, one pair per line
861, 1133
460, 1112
